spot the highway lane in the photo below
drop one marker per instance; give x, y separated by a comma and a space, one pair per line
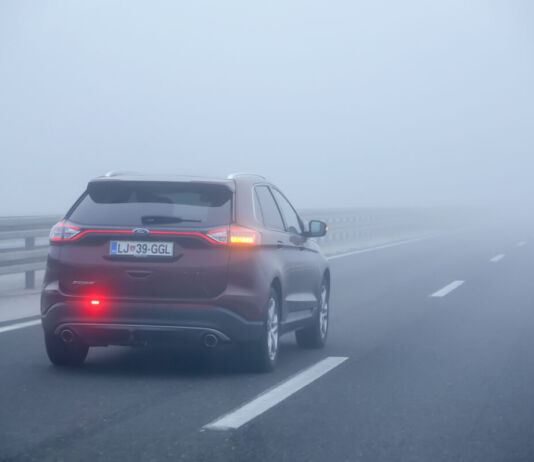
425, 379
454, 384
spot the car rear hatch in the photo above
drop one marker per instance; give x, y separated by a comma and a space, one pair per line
146, 240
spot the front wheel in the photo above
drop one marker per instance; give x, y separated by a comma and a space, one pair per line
315, 335
263, 354
65, 354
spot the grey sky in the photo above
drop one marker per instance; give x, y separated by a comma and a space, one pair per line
340, 103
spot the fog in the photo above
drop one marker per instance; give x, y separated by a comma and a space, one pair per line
375, 103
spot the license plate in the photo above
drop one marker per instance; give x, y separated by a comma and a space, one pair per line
141, 248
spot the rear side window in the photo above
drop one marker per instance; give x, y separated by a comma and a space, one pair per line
154, 204
291, 217
271, 214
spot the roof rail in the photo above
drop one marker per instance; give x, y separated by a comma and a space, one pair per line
119, 173
234, 175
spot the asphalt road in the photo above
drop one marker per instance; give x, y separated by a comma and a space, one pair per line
427, 378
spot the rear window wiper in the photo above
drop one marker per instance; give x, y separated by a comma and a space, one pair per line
163, 219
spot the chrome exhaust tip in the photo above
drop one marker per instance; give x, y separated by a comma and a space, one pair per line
210, 340
67, 336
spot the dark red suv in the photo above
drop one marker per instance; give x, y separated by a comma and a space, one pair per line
142, 260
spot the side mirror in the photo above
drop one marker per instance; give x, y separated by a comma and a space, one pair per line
316, 228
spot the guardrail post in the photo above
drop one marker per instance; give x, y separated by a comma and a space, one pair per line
30, 275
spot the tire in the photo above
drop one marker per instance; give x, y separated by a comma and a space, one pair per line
262, 355
65, 354
315, 335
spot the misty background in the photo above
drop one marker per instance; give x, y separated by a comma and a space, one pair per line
345, 103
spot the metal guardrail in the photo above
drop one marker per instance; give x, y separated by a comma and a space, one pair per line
348, 226
23, 254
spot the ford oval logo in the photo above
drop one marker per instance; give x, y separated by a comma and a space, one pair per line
141, 231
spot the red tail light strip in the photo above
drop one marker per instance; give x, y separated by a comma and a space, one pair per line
130, 232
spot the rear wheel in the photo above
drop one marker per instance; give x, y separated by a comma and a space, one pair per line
65, 354
263, 354
315, 335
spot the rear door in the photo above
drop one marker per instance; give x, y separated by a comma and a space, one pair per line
154, 240
305, 270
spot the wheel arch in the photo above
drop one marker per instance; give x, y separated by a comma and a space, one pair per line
276, 284
326, 277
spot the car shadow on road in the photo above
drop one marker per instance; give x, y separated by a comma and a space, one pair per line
165, 361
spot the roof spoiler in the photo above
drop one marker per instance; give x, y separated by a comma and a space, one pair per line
235, 175
113, 173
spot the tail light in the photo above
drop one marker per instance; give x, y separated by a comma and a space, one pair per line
234, 236
94, 305
243, 236
220, 236
63, 231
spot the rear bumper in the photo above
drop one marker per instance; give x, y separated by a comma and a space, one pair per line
135, 323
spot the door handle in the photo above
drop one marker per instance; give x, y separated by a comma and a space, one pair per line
279, 244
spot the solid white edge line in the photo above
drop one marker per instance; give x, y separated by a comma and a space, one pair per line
275, 395
379, 247
447, 289
497, 258
19, 325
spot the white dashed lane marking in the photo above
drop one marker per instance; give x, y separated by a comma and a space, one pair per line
19, 325
272, 397
447, 289
497, 258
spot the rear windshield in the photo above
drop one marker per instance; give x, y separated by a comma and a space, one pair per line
153, 204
